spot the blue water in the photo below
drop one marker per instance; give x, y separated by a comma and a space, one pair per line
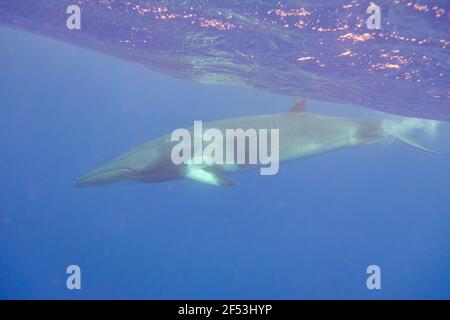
308, 232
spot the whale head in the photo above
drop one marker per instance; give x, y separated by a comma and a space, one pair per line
143, 164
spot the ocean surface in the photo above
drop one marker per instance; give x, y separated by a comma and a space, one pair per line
337, 51
308, 232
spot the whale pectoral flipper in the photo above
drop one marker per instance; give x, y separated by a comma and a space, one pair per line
204, 175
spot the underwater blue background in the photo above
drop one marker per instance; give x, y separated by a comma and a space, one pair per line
308, 232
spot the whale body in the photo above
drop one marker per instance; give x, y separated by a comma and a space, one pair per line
301, 134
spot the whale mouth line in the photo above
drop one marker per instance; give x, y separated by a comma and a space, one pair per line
103, 176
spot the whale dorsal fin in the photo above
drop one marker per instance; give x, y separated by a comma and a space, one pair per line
298, 107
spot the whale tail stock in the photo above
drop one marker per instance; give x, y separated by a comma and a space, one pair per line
401, 129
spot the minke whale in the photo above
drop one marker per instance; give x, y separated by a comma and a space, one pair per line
301, 134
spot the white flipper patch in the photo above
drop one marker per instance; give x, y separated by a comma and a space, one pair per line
203, 175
